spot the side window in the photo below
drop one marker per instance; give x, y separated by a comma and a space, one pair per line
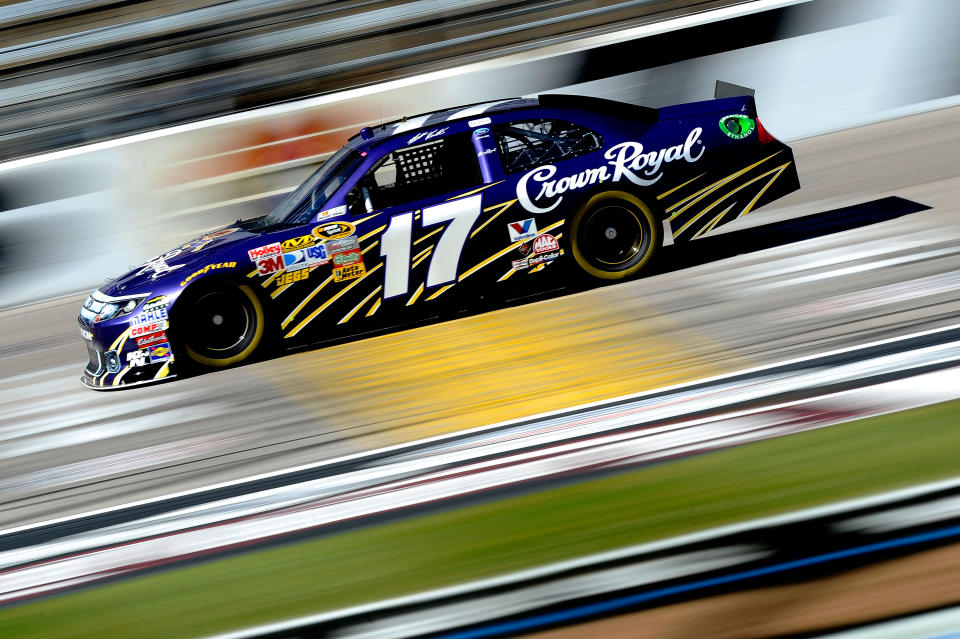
531, 143
416, 172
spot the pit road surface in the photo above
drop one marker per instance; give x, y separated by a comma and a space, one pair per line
67, 449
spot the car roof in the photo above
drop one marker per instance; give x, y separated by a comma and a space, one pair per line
382, 132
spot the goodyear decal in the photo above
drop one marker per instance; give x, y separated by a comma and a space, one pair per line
207, 268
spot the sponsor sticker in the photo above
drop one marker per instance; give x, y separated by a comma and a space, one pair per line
349, 272
545, 243
481, 133
480, 122
737, 126
137, 358
525, 249
268, 250
342, 245
305, 258
147, 329
540, 191
291, 277
334, 230
207, 268
85, 334
153, 338
519, 265
296, 243
522, 230
149, 317
220, 233
152, 304
271, 265
349, 257
160, 353
334, 212
542, 258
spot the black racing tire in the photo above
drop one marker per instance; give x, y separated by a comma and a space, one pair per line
221, 325
614, 235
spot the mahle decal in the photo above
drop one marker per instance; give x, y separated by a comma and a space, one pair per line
737, 126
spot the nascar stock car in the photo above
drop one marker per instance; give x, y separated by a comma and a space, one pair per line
422, 218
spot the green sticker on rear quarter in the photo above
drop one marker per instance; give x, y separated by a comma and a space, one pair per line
737, 126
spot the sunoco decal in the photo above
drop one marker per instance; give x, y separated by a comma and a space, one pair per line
626, 160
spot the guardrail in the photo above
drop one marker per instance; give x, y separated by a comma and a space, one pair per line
725, 411
796, 546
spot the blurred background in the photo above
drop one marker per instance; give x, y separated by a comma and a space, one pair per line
151, 121
587, 454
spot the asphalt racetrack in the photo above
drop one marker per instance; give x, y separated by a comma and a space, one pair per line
66, 449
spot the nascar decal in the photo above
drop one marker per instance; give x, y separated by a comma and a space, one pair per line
160, 301
334, 230
626, 160
205, 269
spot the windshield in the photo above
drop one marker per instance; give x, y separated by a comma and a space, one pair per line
309, 198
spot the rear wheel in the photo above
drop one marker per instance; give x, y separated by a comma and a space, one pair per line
614, 235
221, 326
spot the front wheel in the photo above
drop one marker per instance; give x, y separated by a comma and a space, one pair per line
221, 326
614, 235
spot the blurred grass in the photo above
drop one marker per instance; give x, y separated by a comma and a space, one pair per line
389, 560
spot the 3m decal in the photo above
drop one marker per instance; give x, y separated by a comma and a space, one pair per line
349, 272
262, 252
85, 334
737, 126
210, 267
628, 160
295, 243
160, 353
271, 265
291, 277
545, 243
153, 338
137, 358
522, 230
334, 230
395, 243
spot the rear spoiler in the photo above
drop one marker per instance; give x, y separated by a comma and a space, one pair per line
611, 107
730, 90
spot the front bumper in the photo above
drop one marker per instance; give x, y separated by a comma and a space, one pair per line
109, 368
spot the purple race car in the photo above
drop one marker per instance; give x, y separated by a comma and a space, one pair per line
435, 216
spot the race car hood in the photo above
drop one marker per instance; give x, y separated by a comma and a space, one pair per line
182, 262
